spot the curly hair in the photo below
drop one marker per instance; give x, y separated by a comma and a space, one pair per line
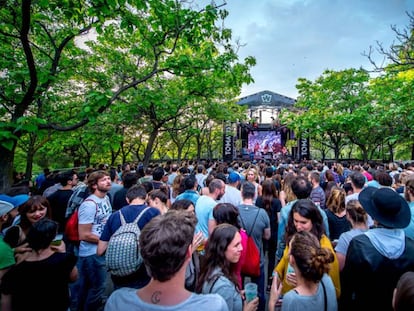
311, 260
307, 209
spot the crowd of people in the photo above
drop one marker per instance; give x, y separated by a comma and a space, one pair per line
330, 236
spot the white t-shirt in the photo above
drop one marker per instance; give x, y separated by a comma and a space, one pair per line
127, 299
95, 211
231, 195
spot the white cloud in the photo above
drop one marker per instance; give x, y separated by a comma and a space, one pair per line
293, 39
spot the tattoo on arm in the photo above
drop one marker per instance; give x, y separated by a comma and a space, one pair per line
155, 298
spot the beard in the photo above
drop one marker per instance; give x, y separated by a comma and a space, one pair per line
104, 189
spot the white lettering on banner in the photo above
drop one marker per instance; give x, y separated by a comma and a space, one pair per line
304, 146
228, 139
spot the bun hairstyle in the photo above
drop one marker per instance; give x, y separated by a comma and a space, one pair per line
311, 260
356, 212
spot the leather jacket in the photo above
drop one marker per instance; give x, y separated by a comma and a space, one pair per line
369, 278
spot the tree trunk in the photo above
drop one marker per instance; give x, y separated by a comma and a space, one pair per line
391, 157
336, 151
6, 168
29, 162
364, 153
88, 160
148, 149
179, 153
198, 147
412, 151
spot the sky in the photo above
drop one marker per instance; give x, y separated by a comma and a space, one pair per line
293, 39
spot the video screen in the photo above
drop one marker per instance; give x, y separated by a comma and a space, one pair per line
265, 142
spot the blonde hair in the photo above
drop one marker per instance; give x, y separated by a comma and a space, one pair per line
336, 200
176, 185
287, 187
254, 170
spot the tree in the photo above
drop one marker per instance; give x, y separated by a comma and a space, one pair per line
400, 55
328, 106
393, 94
51, 83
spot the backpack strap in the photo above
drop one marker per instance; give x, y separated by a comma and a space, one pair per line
123, 221
141, 214
251, 229
121, 216
217, 276
96, 205
324, 295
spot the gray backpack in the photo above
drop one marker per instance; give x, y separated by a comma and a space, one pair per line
123, 256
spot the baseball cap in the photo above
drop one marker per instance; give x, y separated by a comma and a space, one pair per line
5, 207
233, 177
16, 200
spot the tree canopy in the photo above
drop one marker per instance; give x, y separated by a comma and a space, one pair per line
116, 64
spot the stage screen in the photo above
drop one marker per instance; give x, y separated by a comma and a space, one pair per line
264, 142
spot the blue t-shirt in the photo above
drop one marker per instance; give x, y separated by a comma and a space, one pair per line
225, 288
191, 195
127, 299
292, 301
130, 212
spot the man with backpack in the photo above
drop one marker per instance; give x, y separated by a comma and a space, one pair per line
92, 216
119, 240
256, 222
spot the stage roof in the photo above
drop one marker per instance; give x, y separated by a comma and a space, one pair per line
267, 98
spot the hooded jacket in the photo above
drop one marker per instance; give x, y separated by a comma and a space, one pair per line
374, 263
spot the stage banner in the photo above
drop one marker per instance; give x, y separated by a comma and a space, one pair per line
304, 148
228, 141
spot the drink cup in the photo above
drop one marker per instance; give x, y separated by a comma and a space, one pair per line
250, 291
290, 269
57, 240
290, 273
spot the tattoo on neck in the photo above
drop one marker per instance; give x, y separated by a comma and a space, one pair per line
155, 298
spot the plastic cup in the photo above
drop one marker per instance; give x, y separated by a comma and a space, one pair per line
290, 269
250, 291
57, 240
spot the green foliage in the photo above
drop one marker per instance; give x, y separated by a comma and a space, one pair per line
350, 107
94, 71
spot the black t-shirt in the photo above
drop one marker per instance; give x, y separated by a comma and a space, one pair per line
275, 208
337, 225
58, 203
119, 200
40, 285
